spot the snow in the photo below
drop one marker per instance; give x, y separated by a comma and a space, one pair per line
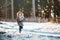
30, 31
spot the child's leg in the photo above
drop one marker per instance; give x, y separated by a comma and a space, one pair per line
19, 31
20, 27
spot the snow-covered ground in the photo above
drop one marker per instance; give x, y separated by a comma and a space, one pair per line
30, 31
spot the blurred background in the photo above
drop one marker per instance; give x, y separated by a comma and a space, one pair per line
37, 14
34, 10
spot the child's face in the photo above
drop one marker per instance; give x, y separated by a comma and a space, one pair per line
20, 14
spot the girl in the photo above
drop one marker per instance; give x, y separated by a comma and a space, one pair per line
20, 18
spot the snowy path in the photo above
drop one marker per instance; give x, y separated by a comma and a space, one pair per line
31, 31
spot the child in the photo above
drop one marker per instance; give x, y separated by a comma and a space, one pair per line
20, 18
